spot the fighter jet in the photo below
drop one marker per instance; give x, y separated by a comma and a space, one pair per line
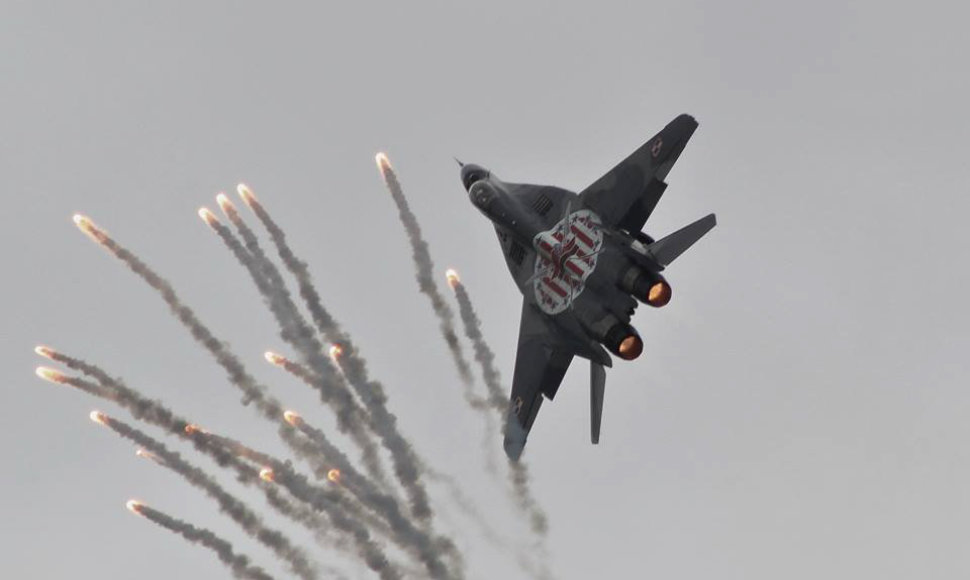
583, 265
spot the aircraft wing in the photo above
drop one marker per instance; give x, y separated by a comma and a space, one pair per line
626, 196
540, 365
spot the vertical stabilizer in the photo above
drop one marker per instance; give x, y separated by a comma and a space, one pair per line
667, 250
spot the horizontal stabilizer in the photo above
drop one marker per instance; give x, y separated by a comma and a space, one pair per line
597, 388
668, 249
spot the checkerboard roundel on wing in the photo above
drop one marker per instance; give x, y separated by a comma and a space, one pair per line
566, 255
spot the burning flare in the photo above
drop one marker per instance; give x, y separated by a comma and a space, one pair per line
292, 418
224, 204
267, 474
134, 506
247, 195
334, 475
146, 454
383, 163
453, 279
274, 358
208, 217
335, 351
192, 429
87, 226
99, 417
51, 375
45, 351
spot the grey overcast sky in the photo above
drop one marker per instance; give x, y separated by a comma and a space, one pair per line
801, 407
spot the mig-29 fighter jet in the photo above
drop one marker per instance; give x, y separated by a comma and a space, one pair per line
582, 264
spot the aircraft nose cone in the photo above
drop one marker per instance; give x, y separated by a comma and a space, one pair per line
470, 173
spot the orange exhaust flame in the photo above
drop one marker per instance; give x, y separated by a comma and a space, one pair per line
208, 217
383, 163
631, 347
274, 358
334, 475
134, 506
267, 474
99, 417
335, 351
45, 351
51, 375
247, 195
453, 279
292, 418
659, 294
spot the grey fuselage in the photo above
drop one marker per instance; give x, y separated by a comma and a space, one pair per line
526, 216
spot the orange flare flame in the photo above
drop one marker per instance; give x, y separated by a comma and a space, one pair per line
334, 475
142, 452
247, 195
99, 417
452, 276
383, 163
224, 204
82, 221
335, 351
274, 358
45, 351
208, 217
51, 375
87, 226
192, 429
134, 506
292, 418
267, 474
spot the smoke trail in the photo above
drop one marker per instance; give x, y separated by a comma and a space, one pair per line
518, 472
53, 376
297, 267
402, 531
238, 563
369, 458
528, 558
406, 535
483, 353
298, 562
303, 513
267, 405
424, 267
253, 392
295, 331
407, 466
157, 414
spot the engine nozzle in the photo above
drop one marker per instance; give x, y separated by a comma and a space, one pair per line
623, 341
659, 293
647, 287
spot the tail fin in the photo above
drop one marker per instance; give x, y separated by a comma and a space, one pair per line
668, 249
597, 388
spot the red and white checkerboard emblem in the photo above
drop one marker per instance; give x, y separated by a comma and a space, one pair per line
566, 256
